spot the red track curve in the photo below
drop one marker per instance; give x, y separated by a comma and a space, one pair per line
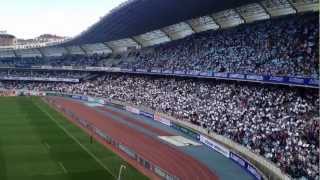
168, 158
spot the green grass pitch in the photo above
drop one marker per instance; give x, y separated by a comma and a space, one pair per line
38, 143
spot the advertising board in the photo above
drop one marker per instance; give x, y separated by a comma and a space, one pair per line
215, 146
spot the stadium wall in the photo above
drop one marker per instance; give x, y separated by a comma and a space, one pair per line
259, 167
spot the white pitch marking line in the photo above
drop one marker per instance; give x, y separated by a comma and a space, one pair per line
47, 145
76, 140
62, 167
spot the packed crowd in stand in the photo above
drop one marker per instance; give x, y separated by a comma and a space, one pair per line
43, 74
279, 123
287, 46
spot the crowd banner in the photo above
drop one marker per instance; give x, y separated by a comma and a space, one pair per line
67, 67
167, 71
296, 80
215, 146
162, 119
314, 82
46, 67
221, 75
156, 70
255, 77
142, 70
23, 66
36, 67
206, 74
146, 114
115, 69
97, 68
126, 70
84, 98
286, 80
245, 165
237, 76
76, 97
132, 110
193, 73
301, 81
178, 72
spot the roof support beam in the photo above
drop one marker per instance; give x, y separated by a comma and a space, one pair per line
264, 8
167, 34
193, 30
240, 15
15, 53
215, 21
106, 44
68, 51
136, 41
41, 52
85, 52
293, 7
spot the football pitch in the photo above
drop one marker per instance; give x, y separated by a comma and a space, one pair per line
38, 143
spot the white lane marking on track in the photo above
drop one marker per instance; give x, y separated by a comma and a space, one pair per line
76, 140
62, 167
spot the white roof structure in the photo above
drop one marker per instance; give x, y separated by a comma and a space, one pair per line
203, 23
75, 50
224, 19
123, 44
53, 51
152, 38
99, 48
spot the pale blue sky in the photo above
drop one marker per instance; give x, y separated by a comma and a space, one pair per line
31, 18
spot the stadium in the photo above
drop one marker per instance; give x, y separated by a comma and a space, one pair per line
168, 89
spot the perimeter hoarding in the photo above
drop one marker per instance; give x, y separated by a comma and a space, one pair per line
215, 146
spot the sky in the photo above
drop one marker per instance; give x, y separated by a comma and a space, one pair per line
31, 18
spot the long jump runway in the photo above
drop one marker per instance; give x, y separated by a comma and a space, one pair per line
166, 147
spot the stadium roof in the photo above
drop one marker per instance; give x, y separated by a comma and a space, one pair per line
136, 17
142, 23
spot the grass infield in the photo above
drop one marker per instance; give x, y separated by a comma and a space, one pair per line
37, 143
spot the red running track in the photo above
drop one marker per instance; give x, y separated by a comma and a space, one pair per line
166, 157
